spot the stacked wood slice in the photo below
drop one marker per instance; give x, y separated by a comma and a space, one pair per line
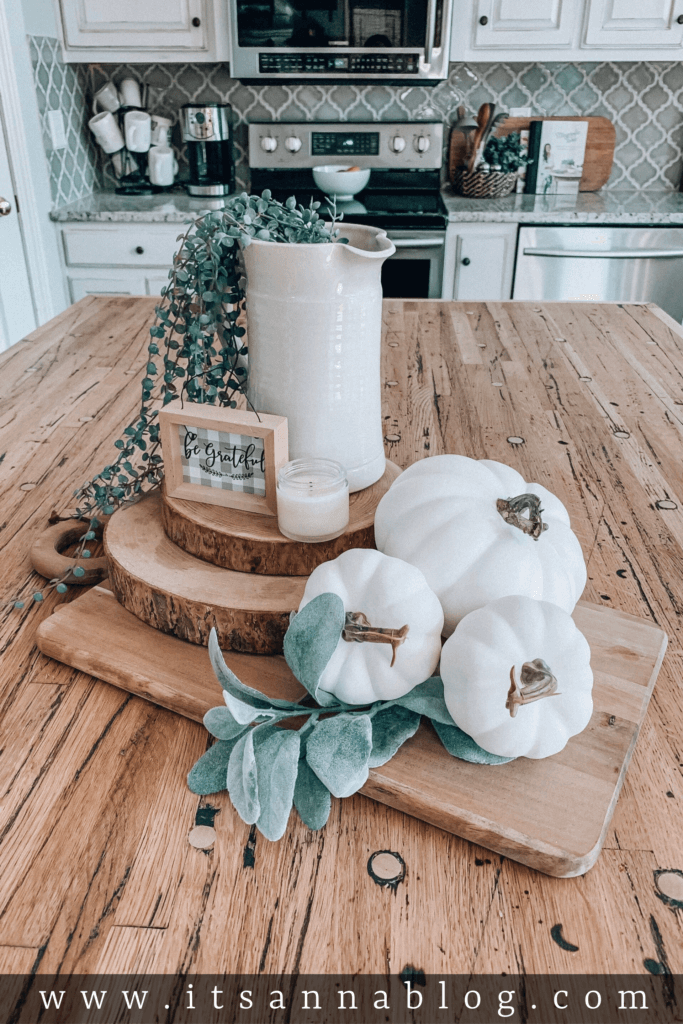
185, 567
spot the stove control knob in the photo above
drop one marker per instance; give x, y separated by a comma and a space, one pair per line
292, 144
269, 144
422, 143
398, 144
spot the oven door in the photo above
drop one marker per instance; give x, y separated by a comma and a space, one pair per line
340, 39
415, 271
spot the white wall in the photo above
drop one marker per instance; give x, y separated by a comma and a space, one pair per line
39, 18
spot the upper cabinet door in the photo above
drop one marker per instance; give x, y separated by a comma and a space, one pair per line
134, 26
629, 24
524, 24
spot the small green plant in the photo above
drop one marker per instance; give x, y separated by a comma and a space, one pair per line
196, 352
506, 153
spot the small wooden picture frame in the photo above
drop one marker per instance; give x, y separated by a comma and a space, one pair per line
223, 457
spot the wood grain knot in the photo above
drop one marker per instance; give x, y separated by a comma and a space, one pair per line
387, 868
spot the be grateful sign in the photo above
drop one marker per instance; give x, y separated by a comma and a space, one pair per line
223, 457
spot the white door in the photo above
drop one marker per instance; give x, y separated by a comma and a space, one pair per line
134, 24
634, 24
523, 24
17, 315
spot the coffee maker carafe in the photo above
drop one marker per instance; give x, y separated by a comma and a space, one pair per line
207, 133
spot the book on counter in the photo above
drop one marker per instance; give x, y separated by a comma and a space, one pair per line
556, 152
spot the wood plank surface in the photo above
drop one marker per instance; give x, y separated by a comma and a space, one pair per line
308, 903
550, 814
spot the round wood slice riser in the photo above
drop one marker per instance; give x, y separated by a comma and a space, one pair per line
177, 593
250, 543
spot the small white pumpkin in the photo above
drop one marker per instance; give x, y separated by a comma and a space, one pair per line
390, 594
517, 677
458, 520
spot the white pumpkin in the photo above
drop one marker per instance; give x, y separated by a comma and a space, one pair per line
495, 694
390, 594
445, 515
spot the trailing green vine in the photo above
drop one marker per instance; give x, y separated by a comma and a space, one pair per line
196, 352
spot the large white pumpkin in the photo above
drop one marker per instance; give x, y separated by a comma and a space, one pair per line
443, 515
498, 697
390, 594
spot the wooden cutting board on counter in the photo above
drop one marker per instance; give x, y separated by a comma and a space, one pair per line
597, 165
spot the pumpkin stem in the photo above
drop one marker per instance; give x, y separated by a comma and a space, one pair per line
357, 628
512, 510
537, 682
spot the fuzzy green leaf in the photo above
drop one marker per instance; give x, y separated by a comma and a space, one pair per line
311, 798
338, 751
427, 699
242, 784
311, 640
277, 761
221, 724
210, 773
459, 744
391, 727
229, 681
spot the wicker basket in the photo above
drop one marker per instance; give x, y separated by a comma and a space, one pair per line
484, 184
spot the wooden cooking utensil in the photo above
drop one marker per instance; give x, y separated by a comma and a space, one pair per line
482, 120
488, 127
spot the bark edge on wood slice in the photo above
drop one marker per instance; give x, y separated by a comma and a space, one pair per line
177, 593
235, 539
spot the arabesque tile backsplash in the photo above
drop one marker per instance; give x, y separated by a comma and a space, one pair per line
644, 100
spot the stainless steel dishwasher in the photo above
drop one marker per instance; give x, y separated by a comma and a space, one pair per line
602, 264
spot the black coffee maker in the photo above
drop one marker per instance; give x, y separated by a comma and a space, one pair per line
207, 133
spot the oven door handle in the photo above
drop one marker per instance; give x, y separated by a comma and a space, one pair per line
431, 31
418, 243
607, 254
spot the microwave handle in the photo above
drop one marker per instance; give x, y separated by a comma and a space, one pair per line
418, 243
431, 30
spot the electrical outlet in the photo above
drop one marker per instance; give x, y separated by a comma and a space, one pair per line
520, 111
55, 123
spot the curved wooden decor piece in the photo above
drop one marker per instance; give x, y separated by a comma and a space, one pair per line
48, 560
249, 543
177, 593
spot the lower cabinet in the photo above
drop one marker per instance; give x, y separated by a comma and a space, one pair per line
479, 262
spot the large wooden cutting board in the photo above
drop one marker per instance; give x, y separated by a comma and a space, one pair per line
551, 814
597, 165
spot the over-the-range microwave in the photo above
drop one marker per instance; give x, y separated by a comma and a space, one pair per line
340, 40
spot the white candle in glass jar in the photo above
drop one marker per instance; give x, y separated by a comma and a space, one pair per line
312, 500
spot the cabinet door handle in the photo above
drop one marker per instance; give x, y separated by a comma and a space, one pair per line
139, 250
196, 22
466, 261
483, 20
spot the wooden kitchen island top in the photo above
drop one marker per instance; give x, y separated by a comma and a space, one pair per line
96, 872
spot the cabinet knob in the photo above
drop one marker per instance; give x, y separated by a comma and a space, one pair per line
196, 22
5, 207
483, 20
139, 250
466, 261
679, 19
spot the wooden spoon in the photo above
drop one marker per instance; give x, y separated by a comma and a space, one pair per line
482, 121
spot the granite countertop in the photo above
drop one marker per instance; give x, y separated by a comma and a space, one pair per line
608, 207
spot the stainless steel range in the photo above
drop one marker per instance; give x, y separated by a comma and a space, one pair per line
403, 194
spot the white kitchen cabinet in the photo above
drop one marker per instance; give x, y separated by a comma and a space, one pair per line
143, 30
502, 24
622, 24
479, 261
118, 259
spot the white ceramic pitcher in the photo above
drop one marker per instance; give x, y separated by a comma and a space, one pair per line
314, 323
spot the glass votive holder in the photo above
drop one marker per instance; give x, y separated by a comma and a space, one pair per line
312, 500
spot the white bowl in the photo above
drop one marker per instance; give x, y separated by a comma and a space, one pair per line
334, 180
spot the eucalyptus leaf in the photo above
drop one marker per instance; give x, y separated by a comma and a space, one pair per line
391, 727
312, 639
277, 763
338, 751
210, 773
427, 699
221, 724
459, 744
311, 798
230, 683
242, 783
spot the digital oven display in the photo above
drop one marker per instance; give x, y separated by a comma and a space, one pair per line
345, 143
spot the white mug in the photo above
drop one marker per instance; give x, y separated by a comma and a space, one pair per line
138, 128
162, 165
106, 131
107, 98
161, 130
129, 93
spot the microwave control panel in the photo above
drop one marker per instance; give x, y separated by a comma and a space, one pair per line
390, 145
333, 63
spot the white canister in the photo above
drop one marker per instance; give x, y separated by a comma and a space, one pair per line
162, 165
129, 93
106, 98
106, 131
315, 325
138, 129
161, 130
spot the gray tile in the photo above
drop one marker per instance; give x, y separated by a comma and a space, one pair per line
655, 97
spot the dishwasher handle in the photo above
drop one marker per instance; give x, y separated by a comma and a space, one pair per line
608, 254
418, 243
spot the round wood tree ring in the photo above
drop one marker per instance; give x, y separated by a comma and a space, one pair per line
48, 560
177, 593
245, 542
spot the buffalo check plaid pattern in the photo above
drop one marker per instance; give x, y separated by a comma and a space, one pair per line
239, 467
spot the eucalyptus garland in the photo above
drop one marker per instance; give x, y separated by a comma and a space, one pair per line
196, 352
